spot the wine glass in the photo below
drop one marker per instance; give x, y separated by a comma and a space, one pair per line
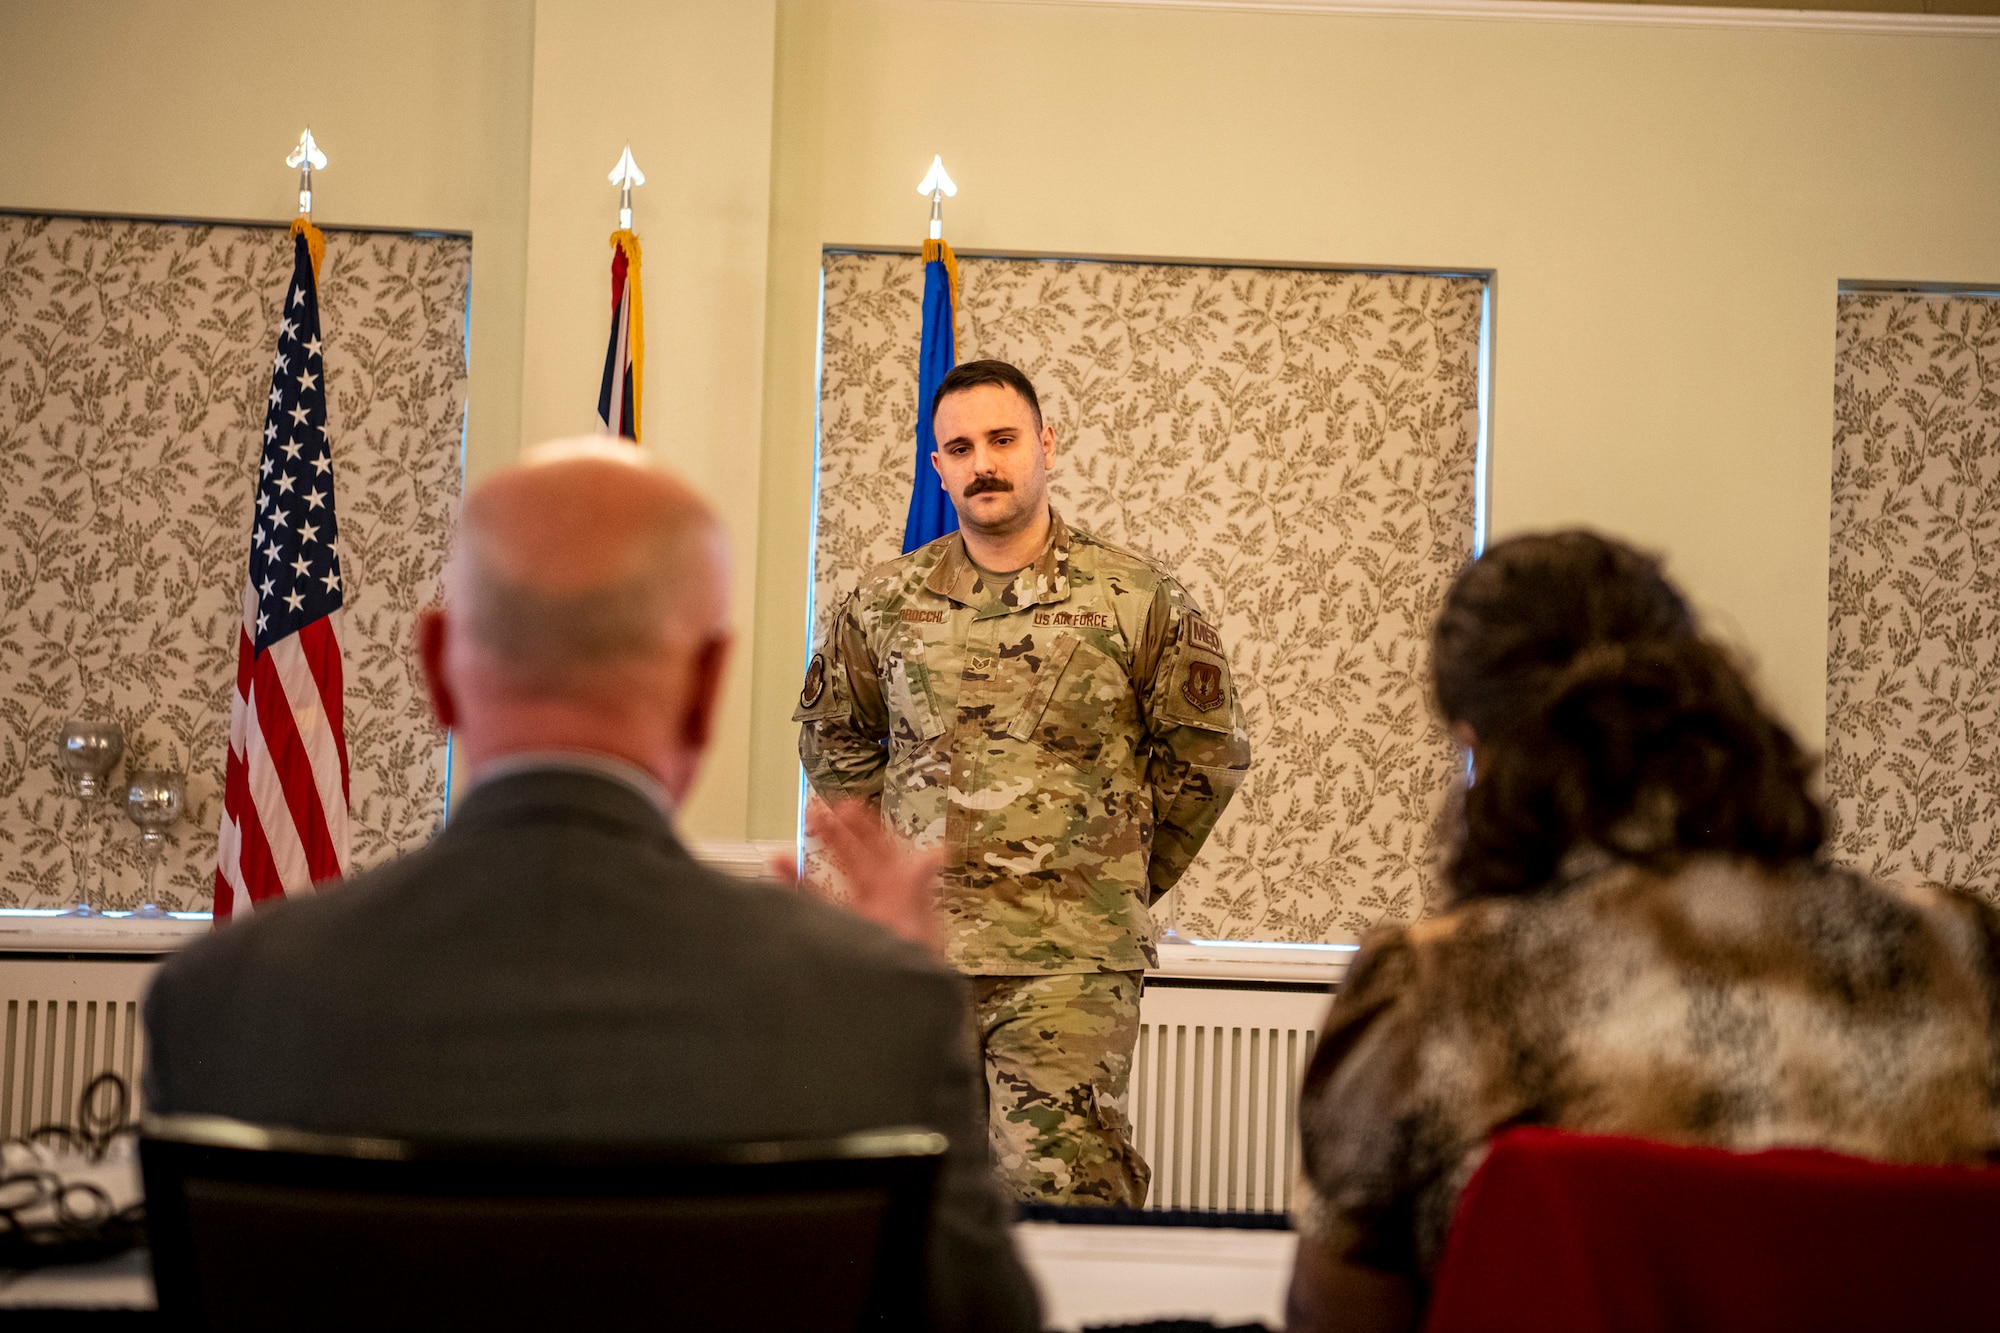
154, 800
87, 752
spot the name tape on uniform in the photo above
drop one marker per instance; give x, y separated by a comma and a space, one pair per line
1074, 619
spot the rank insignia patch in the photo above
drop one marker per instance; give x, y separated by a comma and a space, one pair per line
1203, 687
815, 682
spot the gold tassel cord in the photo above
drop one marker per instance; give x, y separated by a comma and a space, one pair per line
628, 241
315, 243
942, 250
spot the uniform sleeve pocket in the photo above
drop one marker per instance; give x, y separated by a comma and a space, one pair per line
914, 714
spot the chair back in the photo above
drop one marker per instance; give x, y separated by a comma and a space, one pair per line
1575, 1233
260, 1228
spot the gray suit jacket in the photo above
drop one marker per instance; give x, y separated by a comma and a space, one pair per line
555, 966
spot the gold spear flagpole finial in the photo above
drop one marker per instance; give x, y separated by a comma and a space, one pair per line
307, 158
625, 175
937, 183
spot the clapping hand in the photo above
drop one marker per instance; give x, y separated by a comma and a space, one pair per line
887, 883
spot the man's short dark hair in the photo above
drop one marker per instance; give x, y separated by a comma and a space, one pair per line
973, 374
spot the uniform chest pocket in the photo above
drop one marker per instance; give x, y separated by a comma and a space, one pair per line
911, 696
1078, 708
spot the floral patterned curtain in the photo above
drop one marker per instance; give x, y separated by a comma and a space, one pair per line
134, 359
1913, 620
1299, 447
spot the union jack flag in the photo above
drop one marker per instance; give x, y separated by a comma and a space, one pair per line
284, 800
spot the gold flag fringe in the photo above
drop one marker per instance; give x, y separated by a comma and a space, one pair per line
942, 250
315, 243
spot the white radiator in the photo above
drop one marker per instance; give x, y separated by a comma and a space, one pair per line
1213, 1099
61, 1024
1215, 1086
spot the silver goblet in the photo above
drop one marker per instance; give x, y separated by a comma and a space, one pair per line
154, 800
87, 752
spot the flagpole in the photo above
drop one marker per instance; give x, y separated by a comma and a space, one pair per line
937, 183
306, 157
618, 398
625, 175
931, 515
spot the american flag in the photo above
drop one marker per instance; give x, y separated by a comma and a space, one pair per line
625, 357
284, 801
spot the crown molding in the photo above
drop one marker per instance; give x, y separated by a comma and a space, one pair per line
1910, 287
1587, 11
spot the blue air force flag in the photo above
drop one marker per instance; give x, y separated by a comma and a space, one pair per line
931, 512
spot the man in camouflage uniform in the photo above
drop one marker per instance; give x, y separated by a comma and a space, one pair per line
1058, 716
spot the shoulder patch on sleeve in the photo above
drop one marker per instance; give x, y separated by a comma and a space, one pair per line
1202, 685
1195, 689
815, 686
820, 697
1198, 633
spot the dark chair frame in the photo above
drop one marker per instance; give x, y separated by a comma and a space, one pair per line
899, 1166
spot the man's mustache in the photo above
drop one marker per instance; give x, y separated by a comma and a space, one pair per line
981, 485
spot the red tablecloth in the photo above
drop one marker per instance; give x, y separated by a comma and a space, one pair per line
1573, 1233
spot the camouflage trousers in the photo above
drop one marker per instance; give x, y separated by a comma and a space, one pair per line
1058, 1061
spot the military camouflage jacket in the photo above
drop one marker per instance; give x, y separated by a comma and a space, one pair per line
1069, 737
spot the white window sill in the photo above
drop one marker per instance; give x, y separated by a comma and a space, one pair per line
1253, 960
46, 930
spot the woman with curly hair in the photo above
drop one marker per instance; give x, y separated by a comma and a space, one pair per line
1644, 938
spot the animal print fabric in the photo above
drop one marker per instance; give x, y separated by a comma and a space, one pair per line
1727, 1005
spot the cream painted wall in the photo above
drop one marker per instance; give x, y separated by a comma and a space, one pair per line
187, 111
1667, 209
688, 85
430, 113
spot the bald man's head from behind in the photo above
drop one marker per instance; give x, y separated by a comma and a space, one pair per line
585, 610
